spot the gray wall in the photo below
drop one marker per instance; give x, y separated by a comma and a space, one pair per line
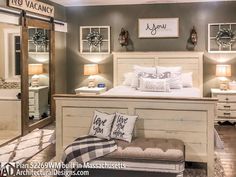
60, 64
197, 14
60, 45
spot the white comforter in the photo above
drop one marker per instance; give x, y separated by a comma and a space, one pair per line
128, 91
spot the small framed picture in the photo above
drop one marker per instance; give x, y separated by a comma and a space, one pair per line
158, 27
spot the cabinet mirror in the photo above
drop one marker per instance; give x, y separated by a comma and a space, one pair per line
38, 67
38, 74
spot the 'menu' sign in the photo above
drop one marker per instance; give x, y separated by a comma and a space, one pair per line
33, 6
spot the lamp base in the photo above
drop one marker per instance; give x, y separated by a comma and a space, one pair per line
223, 86
91, 82
35, 81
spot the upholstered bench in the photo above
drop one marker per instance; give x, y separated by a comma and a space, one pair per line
149, 154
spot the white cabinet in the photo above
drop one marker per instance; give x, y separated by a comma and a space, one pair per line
38, 101
226, 106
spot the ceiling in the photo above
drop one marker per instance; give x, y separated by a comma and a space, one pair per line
122, 2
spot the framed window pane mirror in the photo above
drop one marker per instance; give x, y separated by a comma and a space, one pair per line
38, 69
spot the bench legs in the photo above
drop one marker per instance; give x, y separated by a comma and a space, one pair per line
180, 174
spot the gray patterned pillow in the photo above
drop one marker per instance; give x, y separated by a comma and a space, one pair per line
123, 127
145, 75
172, 75
101, 125
154, 85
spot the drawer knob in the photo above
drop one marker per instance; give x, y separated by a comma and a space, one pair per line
227, 113
226, 106
226, 99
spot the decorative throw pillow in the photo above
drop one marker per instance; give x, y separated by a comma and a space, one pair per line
154, 85
187, 79
101, 125
128, 78
123, 127
140, 70
172, 75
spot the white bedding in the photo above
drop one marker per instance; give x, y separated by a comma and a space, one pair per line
128, 91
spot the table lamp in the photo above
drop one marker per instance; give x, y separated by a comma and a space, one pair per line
223, 71
34, 71
91, 70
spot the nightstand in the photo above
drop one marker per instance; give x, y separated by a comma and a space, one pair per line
226, 106
90, 91
38, 101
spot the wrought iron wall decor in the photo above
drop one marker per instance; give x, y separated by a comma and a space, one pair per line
94, 39
192, 40
40, 39
124, 37
225, 37
193, 36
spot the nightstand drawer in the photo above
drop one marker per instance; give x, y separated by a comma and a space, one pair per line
31, 108
226, 98
226, 106
228, 114
31, 102
31, 94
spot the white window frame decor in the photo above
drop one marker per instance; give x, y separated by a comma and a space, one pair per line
158, 27
97, 48
214, 43
9, 55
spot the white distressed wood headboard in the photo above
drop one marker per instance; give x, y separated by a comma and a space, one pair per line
123, 62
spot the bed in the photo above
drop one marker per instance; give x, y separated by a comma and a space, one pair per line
182, 114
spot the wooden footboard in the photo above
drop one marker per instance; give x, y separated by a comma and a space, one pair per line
190, 120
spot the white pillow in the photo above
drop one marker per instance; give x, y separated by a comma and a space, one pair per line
123, 127
128, 78
101, 125
172, 74
145, 69
175, 82
187, 79
141, 69
154, 85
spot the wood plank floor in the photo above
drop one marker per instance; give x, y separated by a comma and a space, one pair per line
228, 155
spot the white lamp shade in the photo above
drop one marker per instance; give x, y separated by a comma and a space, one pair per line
223, 70
90, 69
35, 69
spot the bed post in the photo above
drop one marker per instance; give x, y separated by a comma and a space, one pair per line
210, 129
59, 130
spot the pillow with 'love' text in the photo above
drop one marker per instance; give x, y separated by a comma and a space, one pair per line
101, 125
123, 127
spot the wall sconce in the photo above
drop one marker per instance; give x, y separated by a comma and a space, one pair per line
35, 70
91, 70
223, 71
